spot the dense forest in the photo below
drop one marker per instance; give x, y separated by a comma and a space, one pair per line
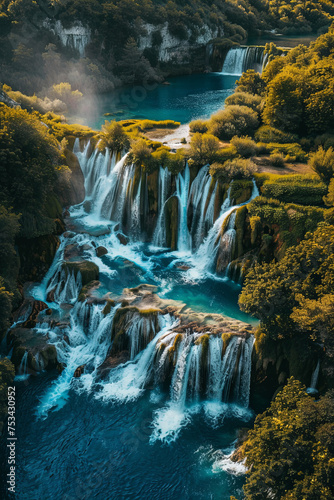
285, 237
33, 59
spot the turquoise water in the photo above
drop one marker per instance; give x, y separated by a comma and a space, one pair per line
184, 99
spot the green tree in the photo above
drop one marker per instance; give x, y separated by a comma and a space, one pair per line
251, 83
203, 148
322, 162
290, 451
114, 137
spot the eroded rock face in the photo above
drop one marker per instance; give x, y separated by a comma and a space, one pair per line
89, 271
27, 314
40, 354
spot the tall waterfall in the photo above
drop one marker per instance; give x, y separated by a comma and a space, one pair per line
210, 374
118, 192
240, 59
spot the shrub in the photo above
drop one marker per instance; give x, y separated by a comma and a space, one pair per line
140, 154
251, 83
244, 146
173, 161
325, 140
301, 189
233, 169
113, 137
200, 126
252, 101
64, 92
270, 134
292, 152
277, 160
203, 148
233, 120
322, 162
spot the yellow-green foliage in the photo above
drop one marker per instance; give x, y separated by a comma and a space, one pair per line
293, 221
292, 152
107, 308
174, 348
294, 428
269, 134
200, 126
226, 337
300, 189
149, 312
144, 125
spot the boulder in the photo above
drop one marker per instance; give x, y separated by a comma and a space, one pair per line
89, 271
41, 354
27, 313
122, 238
100, 251
79, 371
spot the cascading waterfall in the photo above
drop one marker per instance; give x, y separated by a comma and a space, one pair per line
159, 237
127, 381
205, 257
182, 191
240, 59
86, 344
314, 380
114, 198
23, 368
202, 203
228, 379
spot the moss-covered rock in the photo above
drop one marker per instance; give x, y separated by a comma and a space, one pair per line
89, 271
41, 354
36, 256
172, 214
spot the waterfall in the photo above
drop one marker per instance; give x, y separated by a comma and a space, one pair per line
182, 191
240, 59
159, 236
64, 286
314, 380
228, 378
204, 258
111, 195
127, 381
227, 242
202, 204
23, 373
86, 344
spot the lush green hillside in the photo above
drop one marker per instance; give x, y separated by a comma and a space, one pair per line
33, 59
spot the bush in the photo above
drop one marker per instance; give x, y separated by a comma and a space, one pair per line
233, 120
322, 162
300, 189
270, 134
292, 152
277, 160
141, 155
251, 83
113, 137
233, 169
175, 162
203, 148
325, 140
200, 126
252, 101
244, 146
